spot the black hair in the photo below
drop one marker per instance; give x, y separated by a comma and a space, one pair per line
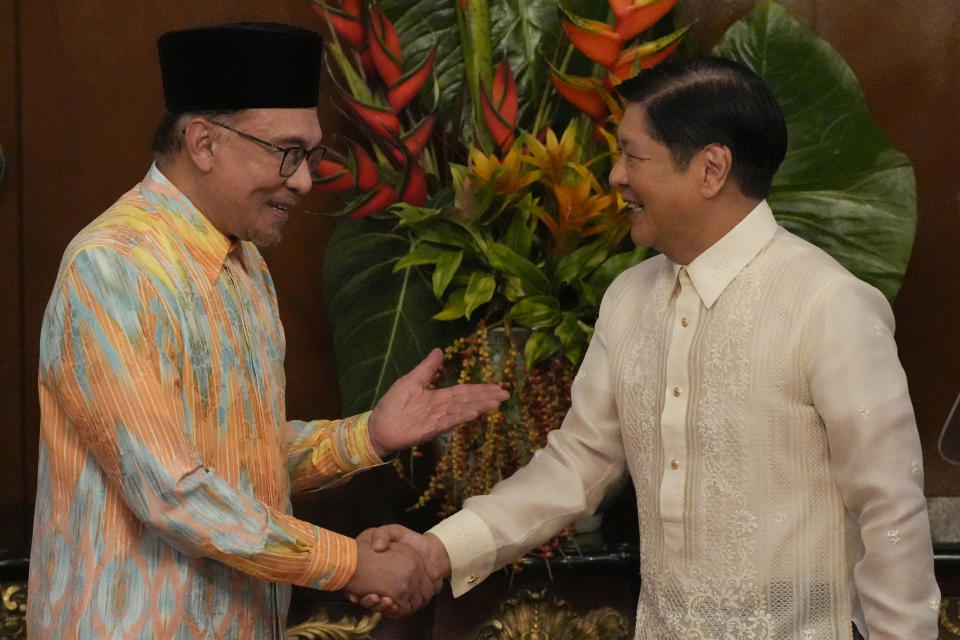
700, 101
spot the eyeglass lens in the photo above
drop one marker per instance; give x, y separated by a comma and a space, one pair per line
294, 156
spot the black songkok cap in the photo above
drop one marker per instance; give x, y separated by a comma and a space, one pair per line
245, 65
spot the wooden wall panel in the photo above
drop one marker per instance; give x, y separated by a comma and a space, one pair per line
13, 534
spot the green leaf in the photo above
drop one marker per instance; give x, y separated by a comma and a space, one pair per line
447, 264
536, 312
456, 306
505, 259
410, 214
421, 254
381, 319
539, 345
513, 289
580, 261
613, 266
842, 186
480, 290
573, 339
446, 232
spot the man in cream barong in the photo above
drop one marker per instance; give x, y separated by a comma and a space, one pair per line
751, 386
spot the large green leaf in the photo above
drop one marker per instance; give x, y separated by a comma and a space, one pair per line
842, 186
381, 319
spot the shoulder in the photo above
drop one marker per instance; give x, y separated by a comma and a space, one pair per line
640, 276
815, 279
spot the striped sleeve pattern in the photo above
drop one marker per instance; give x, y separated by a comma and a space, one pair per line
166, 461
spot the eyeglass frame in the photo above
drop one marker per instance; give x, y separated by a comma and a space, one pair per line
320, 150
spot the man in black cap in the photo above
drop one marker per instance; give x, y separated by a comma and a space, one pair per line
166, 458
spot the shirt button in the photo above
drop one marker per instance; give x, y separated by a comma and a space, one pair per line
676, 392
683, 322
472, 579
674, 464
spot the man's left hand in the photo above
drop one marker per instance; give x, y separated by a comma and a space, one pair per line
409, 413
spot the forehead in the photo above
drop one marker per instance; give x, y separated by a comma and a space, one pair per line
298, 126
633, 125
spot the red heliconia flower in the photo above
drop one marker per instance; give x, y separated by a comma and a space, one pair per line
583, 93
596, 40
415, 190
416, 139
375, 201
501, 108
345, 21
637, 19
380, 120
645, 55
385, 47
399, 94
332, 177
366, 175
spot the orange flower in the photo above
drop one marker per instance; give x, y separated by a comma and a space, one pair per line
510, 174
554, 156
579, 210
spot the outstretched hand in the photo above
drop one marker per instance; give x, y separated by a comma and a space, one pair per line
409, 413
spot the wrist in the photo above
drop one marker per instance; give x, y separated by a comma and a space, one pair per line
438, 554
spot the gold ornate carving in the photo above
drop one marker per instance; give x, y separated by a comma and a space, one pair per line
950, 624
539, 616
13, 615
320, 627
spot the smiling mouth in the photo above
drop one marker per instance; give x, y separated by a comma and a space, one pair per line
282, 208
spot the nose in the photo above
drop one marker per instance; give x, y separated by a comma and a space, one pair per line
300, 180
618, 174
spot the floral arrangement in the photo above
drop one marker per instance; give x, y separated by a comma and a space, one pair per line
520, 224
487, 138
478, 191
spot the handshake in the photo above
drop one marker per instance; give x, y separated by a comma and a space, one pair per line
398, 570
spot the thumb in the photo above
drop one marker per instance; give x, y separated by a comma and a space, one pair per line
423, 372
383, 536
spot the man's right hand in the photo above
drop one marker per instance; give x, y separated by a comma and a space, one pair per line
433, 554
396, 578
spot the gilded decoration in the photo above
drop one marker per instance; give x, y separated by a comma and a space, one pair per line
321, 627
13, 617
949, 618
539, 616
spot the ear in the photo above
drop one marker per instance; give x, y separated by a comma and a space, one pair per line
199, 140
716, 163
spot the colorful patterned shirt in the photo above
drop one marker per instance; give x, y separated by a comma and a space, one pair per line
166, 458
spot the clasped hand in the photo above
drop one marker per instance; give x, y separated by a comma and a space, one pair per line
398, 570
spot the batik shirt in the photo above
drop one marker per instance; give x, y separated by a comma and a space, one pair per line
756, 397
166, 459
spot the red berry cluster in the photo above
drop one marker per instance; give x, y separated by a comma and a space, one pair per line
478, 454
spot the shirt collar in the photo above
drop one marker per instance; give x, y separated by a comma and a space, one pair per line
207, 244
716, 267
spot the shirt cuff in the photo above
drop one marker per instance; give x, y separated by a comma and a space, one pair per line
354, 436
333, 561
471, 549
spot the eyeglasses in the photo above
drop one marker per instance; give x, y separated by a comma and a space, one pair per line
292, 156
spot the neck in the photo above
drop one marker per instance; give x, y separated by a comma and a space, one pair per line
717, 217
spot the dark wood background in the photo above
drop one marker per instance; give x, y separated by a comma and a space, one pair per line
80, 94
